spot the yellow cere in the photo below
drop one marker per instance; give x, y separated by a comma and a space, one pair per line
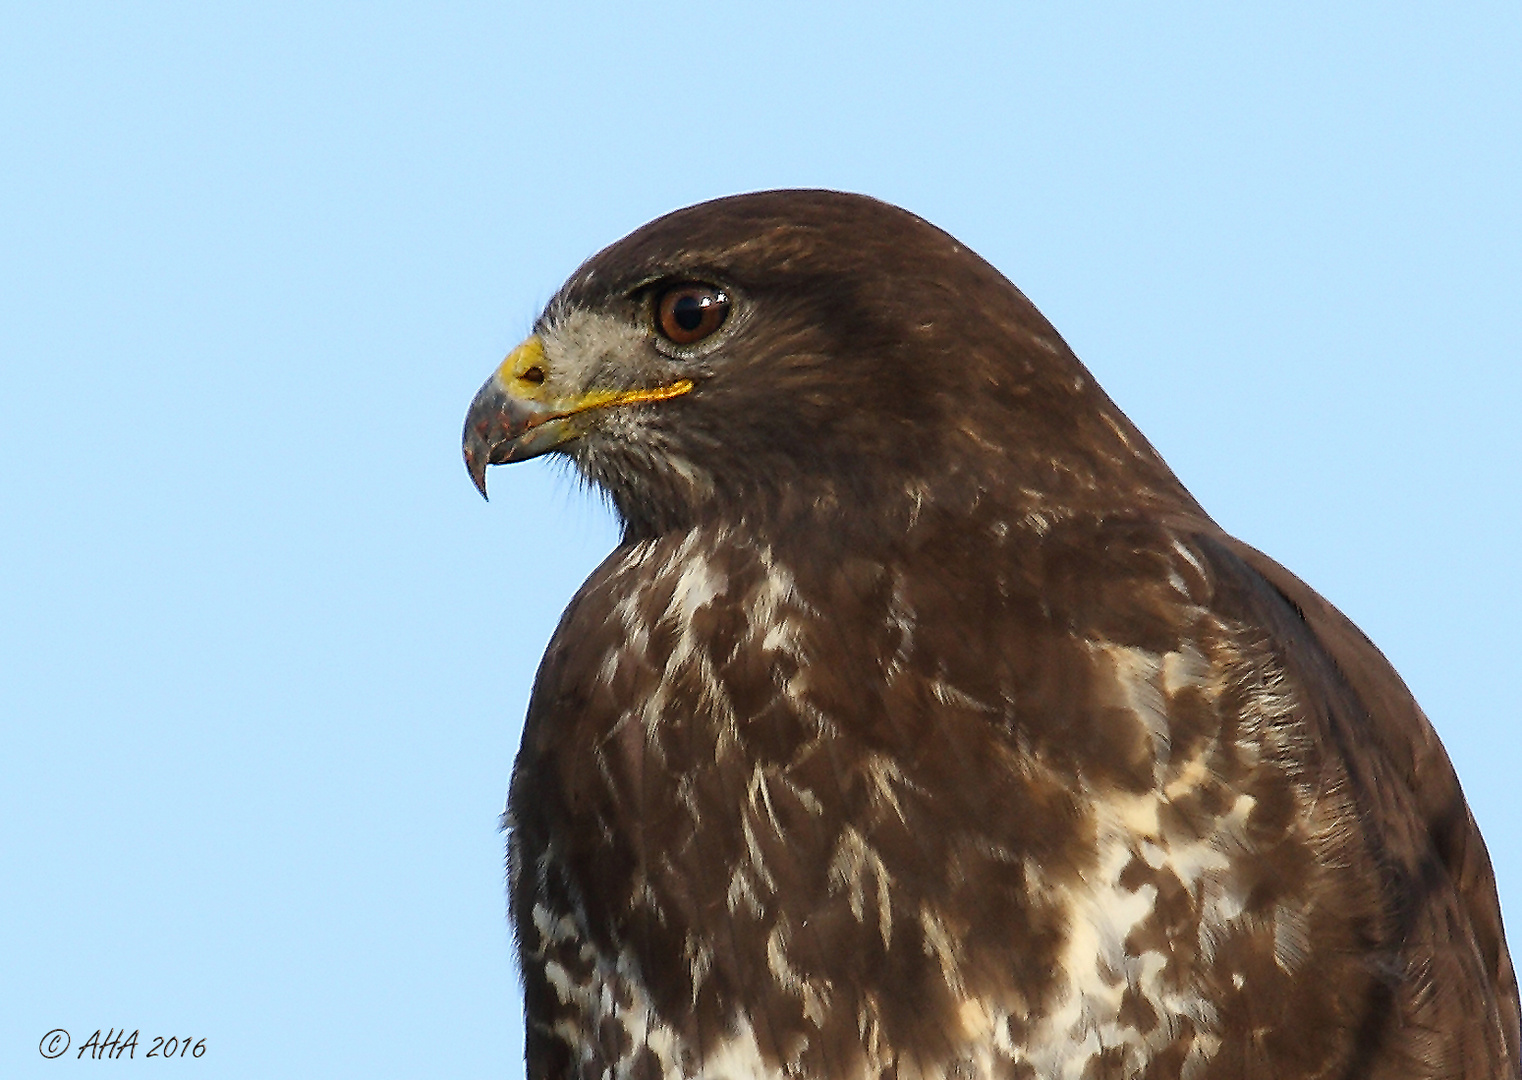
528, 355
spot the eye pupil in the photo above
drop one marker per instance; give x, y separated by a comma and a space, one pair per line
688, 313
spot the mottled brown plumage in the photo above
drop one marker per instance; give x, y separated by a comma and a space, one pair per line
923, 725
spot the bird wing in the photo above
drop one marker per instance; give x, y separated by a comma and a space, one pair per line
1454, 1000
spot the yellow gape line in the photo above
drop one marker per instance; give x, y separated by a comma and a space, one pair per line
523, 375
599, 398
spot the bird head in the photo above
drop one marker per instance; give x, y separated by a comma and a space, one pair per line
798, 353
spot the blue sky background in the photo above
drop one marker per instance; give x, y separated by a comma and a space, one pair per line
264, 653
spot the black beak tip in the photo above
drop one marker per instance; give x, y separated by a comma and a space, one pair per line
475, 464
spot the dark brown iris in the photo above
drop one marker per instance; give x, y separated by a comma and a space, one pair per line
685, 314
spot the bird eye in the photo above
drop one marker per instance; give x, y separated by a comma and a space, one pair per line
688, 313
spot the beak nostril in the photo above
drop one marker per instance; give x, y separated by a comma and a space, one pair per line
533, 376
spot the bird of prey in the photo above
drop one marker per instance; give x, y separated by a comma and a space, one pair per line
923, 726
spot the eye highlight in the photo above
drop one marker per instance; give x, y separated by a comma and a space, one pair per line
685, 314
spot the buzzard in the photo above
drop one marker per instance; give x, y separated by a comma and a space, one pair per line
923, 726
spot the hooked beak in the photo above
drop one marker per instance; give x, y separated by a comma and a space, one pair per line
515, 416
